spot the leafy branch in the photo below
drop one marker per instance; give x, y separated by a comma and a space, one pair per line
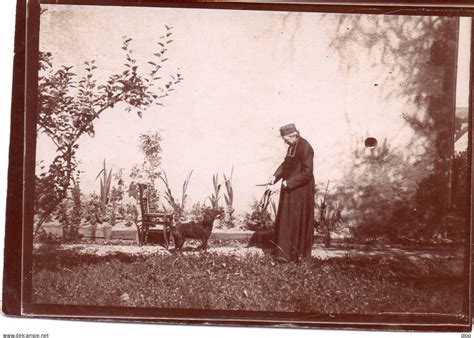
69, 105
214, 198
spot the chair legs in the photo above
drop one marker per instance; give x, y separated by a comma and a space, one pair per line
144, 234
145, 231
166, 230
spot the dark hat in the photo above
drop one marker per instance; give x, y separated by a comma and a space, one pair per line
288, 129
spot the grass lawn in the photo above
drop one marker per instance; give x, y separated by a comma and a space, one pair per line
362, 285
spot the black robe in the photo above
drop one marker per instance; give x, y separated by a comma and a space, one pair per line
295, 217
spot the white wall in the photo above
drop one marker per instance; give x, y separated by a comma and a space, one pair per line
245, 74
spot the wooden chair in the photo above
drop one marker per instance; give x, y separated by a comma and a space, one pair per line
150, 220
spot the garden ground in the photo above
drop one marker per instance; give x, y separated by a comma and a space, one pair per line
346, 278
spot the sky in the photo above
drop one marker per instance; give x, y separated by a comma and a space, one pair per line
246, 73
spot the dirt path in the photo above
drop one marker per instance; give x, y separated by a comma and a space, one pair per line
239, 249
428, 261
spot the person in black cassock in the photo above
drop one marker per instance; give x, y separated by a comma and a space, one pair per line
295, 217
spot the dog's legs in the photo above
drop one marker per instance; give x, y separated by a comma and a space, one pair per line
178, 242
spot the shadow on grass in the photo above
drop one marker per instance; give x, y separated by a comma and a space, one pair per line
251, 282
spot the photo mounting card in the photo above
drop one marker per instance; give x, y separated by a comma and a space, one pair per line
264, 164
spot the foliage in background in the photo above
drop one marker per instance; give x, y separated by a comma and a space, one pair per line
116, 196
63, 216
197, 211
92, 211
259, 217
328, 214
169, 195
105, 184
430, 198
330, 218
376, 184
229, 200
131, 215
389, 197
150, 146
178, 207
184, 194
69, 105
215, 197
73, 232
148, 172
69, 214
418, 57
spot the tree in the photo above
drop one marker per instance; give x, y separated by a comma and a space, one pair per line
378, 183
69, 105
148, 172
416, 56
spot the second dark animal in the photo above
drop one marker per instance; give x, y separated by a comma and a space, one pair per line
197, 230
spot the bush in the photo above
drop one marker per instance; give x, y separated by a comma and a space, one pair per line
384, 196
405, 222
91, 210
374, 185
424, 214
259, 218
415, 217
48, 238
70, 219
196, 213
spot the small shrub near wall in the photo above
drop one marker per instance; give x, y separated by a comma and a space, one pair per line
422, 215
69, 217
387, 197
196, 212
259, 218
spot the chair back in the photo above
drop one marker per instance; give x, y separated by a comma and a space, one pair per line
144, 194
151, 219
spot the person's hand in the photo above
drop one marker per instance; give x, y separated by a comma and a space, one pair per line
284, 184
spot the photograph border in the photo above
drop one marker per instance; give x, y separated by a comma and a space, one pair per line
20, 198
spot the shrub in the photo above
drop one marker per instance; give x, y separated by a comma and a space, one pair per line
424, 214
69, 217
91, 210
229, 200
48, 238
259, 218
215, 196
116, 197
69, 105
378, 193
196, 212
130, 215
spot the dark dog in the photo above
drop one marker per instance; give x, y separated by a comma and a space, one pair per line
196, 230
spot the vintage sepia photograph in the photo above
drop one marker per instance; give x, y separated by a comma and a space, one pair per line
250, 166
